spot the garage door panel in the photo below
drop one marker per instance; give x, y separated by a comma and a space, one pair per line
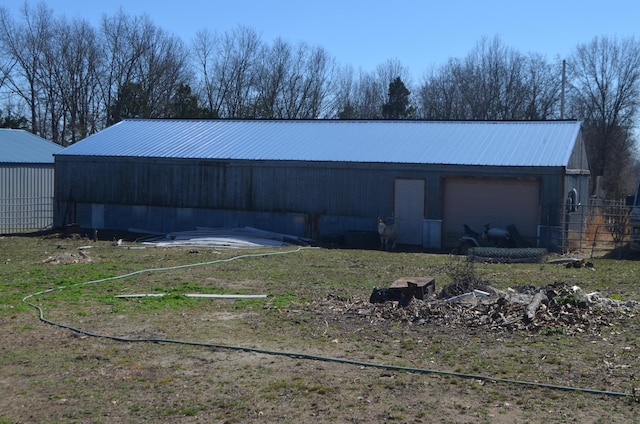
477, 202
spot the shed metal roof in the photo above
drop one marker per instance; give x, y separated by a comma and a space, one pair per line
20, 146
497, 143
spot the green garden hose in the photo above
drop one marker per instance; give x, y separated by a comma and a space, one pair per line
296, 355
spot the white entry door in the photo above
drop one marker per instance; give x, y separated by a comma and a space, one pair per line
409, 201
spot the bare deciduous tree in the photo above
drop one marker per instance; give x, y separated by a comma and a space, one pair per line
493, 82
74, 66
204, 50
141, 58
439, 96
68, 80
272, 77
342, 101
235, 72
605, 90
123, 46
319, 70
364, 97
543, 85
304, 88
489, 81
164, 71
24, 45
369, 95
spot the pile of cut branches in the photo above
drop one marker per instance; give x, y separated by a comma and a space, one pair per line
557, 306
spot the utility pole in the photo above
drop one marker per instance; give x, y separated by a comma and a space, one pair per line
564, 81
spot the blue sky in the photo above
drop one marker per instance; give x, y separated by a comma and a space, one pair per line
418, 33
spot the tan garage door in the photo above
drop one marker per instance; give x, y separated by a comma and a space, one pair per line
477, 202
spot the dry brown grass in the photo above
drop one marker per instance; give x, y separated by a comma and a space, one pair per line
51, 374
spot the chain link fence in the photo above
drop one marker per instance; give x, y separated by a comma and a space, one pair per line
597, 227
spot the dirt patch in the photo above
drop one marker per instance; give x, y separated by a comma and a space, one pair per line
67, 258
313, 352
71, 377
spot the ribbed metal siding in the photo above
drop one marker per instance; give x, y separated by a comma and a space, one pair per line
255, 186
26, 197
546, 143
287, 187
20, 146
172, 194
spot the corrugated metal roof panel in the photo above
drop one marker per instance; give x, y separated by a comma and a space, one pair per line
498, 143
19, 146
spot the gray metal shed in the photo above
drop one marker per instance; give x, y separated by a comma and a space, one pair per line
26, 181
324, 177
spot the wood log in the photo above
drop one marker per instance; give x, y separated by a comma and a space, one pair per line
533, 306
565, 261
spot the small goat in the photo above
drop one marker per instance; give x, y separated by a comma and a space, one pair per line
388, 235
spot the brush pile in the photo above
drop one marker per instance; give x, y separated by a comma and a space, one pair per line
556, 307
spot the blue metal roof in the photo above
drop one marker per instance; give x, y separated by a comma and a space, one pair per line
20, 146
497, 143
